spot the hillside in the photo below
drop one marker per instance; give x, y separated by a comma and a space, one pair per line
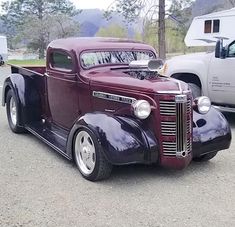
201, 7
91, 20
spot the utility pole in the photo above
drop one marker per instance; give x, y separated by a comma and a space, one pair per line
161, 30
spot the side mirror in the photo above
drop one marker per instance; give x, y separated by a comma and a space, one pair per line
218, 49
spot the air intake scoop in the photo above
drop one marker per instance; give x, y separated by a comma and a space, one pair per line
153, 65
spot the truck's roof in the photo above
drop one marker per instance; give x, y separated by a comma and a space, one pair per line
96, 43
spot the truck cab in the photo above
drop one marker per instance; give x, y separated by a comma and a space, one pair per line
102, 102
210, 74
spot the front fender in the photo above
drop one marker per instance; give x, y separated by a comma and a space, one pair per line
124, 140
211, 132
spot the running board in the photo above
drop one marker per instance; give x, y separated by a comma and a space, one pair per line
50, 135
225, 109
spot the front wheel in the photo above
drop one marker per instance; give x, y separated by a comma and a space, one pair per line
89, 156
12, 109
205, 157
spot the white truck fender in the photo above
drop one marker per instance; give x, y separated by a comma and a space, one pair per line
187, 69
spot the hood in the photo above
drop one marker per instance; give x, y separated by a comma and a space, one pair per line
121, 80
194, 56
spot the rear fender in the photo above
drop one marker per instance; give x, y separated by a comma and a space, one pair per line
123, 140
28, 98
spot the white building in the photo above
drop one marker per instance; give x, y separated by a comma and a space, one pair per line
3, 47
204, 29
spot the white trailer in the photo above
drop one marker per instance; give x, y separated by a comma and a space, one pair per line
3, 48
204, 29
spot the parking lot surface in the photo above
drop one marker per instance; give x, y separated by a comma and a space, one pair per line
38, 187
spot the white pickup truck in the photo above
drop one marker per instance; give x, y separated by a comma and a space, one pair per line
211, 74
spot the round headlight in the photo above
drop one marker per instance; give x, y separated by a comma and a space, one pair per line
203, 104
142, 109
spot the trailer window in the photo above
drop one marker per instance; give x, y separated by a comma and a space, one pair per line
61, 61
212, 26
207, 28
216, 25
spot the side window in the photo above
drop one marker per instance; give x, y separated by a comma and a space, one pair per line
61, 61
212, 26
207, 27
216, 25
231, 50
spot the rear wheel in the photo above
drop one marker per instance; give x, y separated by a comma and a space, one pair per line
89, 156
13, 112
205, 157
196, 90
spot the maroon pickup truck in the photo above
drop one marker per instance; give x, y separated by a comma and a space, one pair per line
101, 102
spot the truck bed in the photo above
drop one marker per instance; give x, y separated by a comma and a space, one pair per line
39, 70
34, 76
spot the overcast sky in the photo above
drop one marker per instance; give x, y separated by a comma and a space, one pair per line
87, 4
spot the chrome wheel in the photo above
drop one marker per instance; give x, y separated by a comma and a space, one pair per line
13, 111
85, 152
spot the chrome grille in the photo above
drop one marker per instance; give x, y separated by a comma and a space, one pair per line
167, 108
189, 145
169, 148
168, 128
181, 125
189, 112
176, 126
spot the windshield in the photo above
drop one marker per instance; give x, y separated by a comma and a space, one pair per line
96, 58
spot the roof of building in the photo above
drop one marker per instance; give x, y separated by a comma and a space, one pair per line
223, 13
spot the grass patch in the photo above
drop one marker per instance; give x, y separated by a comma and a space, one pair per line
27, 62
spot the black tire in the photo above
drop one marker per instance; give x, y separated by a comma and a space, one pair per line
205, 157
102, 168
14, 125
196, 90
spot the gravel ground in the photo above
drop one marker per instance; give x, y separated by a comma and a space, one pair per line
40, 188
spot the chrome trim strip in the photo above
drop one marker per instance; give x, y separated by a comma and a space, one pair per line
169, 92
181, 122
173, 92
114, 97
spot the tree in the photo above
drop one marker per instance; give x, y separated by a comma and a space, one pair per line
231, 2
151, 11
180, 13
161, 30
112, 30
36, 21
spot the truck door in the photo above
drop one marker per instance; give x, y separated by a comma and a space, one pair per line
62, 88
221, 78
